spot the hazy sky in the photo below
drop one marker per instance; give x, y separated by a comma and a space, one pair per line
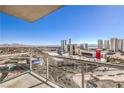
81, 23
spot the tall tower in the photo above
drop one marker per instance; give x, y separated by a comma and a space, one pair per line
72, 50
120, 44
123, 45
106, 44
65, 42
100, 44
63, 45
82, 46
69, 40
114, 44
85, 46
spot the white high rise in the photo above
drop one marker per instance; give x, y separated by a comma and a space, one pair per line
84, 46
106, 44
120, 44
123, 45
100, 44
72, 50
114, 44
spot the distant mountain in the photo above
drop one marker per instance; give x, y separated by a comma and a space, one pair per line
14, 45
22, 45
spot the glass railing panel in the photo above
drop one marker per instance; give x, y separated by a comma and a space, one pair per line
41, 67
13, 66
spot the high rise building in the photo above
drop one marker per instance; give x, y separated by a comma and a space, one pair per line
123, 45
81, 46
100, 44
63, 45
72, 50
106, 44
84, 46
114, 44
69, 40
120, 44
66, 48
65, 42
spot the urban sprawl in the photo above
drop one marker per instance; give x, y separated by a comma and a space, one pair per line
68, 65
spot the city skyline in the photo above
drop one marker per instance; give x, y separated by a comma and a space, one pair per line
84, 24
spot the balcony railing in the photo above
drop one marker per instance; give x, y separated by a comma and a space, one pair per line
73, 73
76, 73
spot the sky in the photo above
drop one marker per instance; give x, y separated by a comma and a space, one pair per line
83, 24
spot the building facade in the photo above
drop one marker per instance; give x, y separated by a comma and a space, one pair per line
84, 46
120, 44
123, 45
63, 45
100, 44
106, 44
72, 50
114, 44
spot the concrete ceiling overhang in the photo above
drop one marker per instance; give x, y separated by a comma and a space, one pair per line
29, 13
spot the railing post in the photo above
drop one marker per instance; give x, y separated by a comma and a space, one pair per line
86, 68
82, 73
47, 68
30, 62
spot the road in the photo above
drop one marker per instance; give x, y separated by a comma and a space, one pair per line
17, 54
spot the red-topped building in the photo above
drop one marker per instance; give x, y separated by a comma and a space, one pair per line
98, 54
